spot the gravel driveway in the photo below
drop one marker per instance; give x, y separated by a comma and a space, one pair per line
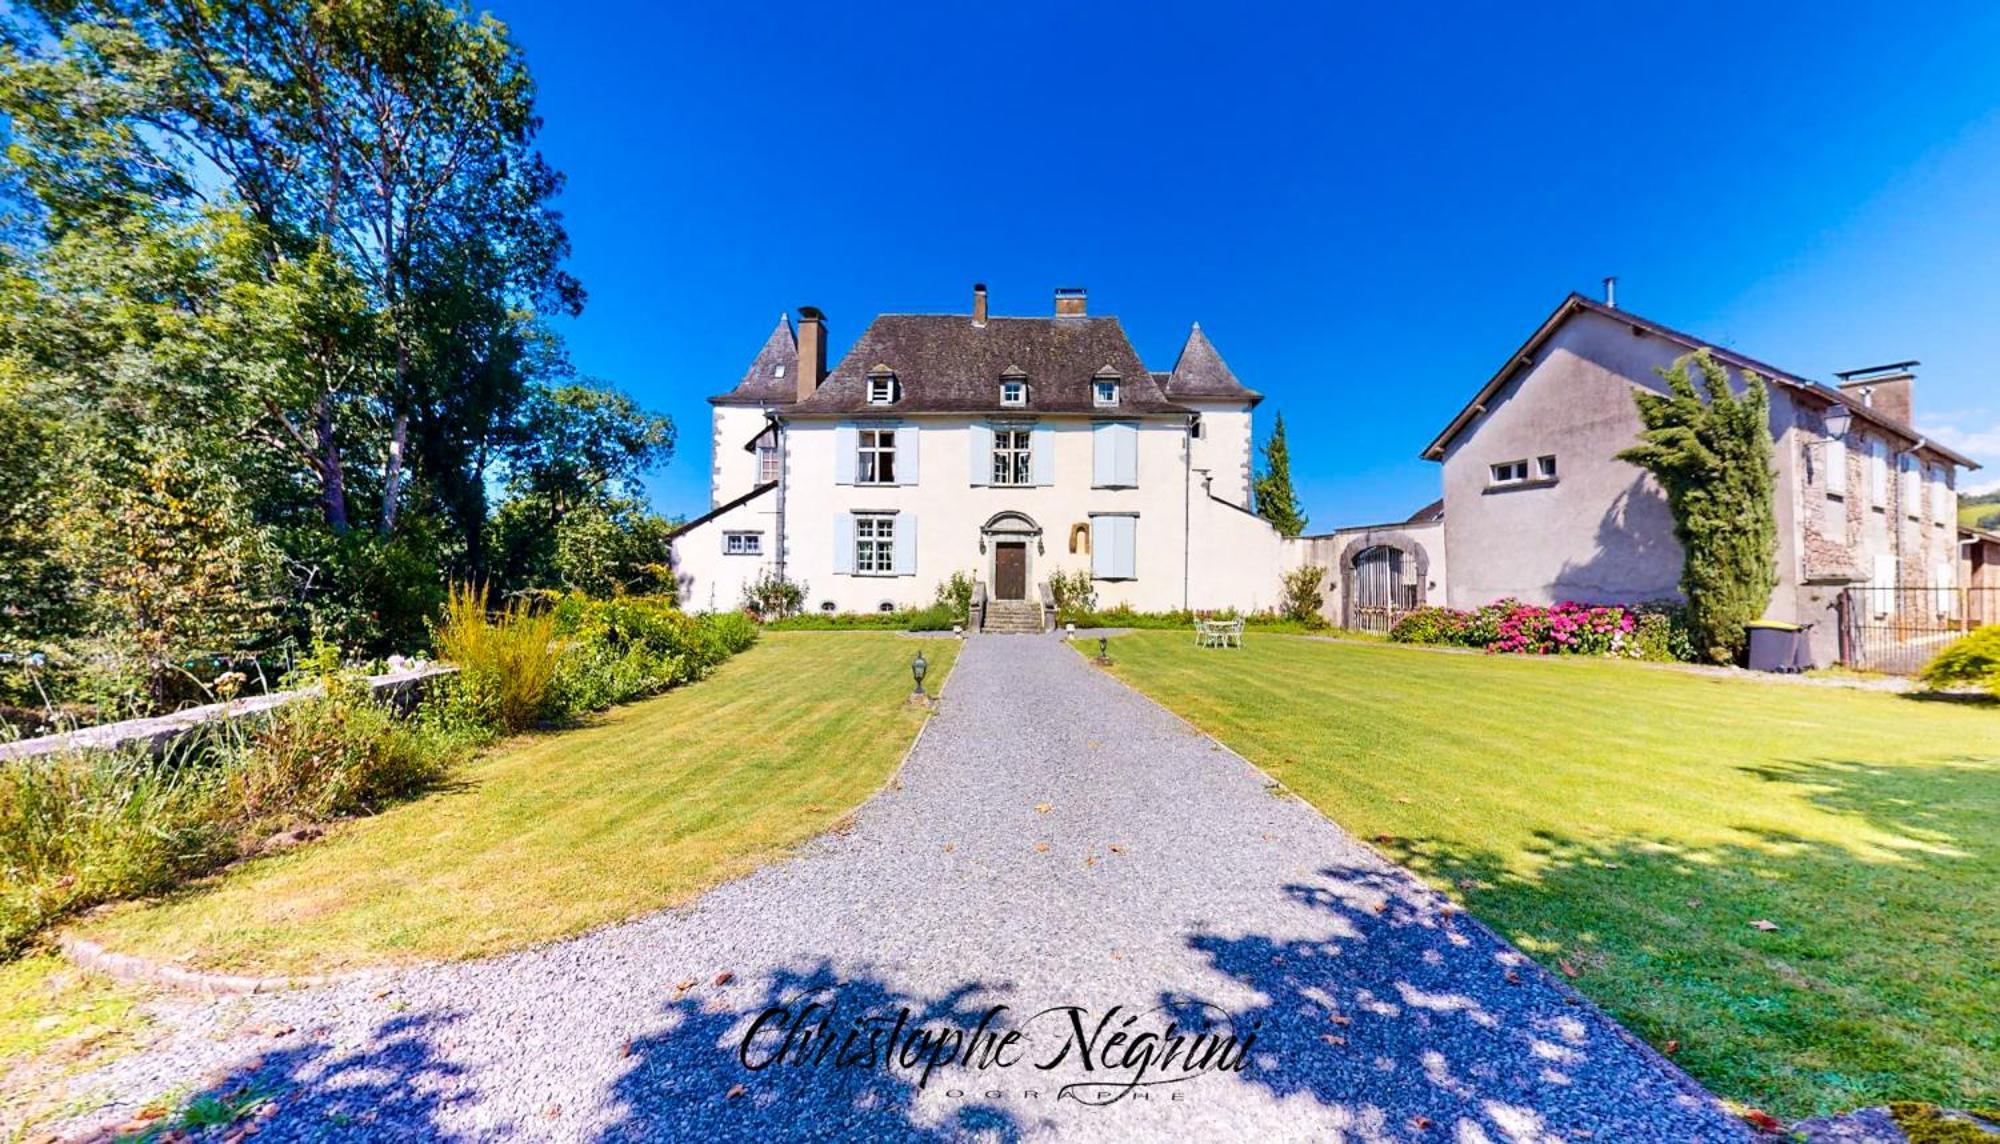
1058, 845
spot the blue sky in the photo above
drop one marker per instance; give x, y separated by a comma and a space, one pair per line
1365, 209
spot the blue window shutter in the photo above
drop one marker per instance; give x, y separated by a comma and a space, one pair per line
906, 455
1103, 457
846, 450
1127, 563
1100, 545
1127, 472
906, 545
843, 543
1042, 460
979, 442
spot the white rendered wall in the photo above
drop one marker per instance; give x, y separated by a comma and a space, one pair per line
1224, 449
734, 471
709, 580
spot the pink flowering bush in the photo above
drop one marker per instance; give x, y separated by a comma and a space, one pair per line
1568, 628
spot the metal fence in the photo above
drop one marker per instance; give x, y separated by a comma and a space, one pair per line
1898, 630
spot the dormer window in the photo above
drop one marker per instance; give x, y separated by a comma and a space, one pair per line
882, 387
1104, 387
1014, 387
778, 370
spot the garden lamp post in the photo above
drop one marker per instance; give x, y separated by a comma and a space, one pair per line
917, 669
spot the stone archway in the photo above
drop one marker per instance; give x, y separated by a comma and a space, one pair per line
1384, 574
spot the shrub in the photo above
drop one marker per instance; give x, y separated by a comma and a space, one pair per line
1568, 628
631, 646
507, 662
936, 618
335, 755
772, 597
1302, 595
1973, 660
1074, 592
954, 594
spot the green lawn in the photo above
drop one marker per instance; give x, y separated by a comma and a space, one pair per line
1634, 822
554, 834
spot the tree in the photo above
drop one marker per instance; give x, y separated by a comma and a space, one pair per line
1710, 450
1276, 502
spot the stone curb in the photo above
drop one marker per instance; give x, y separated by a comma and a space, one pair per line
94, 958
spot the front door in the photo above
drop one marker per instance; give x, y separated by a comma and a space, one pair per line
1010, 571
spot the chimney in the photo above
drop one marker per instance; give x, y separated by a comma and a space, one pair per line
1611, 291
812, 350
1069, 301
979, 303
1886, 389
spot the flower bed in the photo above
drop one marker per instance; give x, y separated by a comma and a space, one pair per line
1511, 627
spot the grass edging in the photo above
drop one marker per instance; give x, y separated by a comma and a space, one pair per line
1570, 995
91, 957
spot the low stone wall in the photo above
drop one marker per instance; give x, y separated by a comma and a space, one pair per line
398, 687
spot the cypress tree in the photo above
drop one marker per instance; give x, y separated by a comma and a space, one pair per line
1276, 502
1713, 457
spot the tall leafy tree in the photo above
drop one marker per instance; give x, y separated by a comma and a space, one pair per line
1710, 449
1276, 502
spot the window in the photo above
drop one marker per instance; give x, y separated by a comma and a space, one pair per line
1836, 468
1878, 473
874, 545
743, 543
1944, 506
767, 463
1114, 455
881, 387
1114, 546
1104, 391
1012, 457
1196, 429
1911, 494
1545, 468
1510, 472
1014, 393
875, 463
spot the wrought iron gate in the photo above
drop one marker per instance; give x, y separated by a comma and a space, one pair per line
1899, 630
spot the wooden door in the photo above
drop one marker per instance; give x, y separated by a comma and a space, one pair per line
1010, 571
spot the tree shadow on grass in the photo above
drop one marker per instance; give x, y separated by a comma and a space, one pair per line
692, 1082
1875, 983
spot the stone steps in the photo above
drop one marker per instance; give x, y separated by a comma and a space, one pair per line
1009, 617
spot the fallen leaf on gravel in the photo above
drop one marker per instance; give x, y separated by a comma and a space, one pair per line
1044, 807
1381, 907
1671, 1047
379, 994
736, 1090
950, 846
1764, 924
1090, 860
1513, 978
684, 986
1338, 1019
1330, 1039
1117, 849
1762, 1121
1568, 969
1041, 848
552, 1111
277, 1030
627, 1050
1420, 1123
724, 978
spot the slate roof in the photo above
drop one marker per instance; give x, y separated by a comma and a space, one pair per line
1578, 304
772, 378
1201, 374
945, 364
